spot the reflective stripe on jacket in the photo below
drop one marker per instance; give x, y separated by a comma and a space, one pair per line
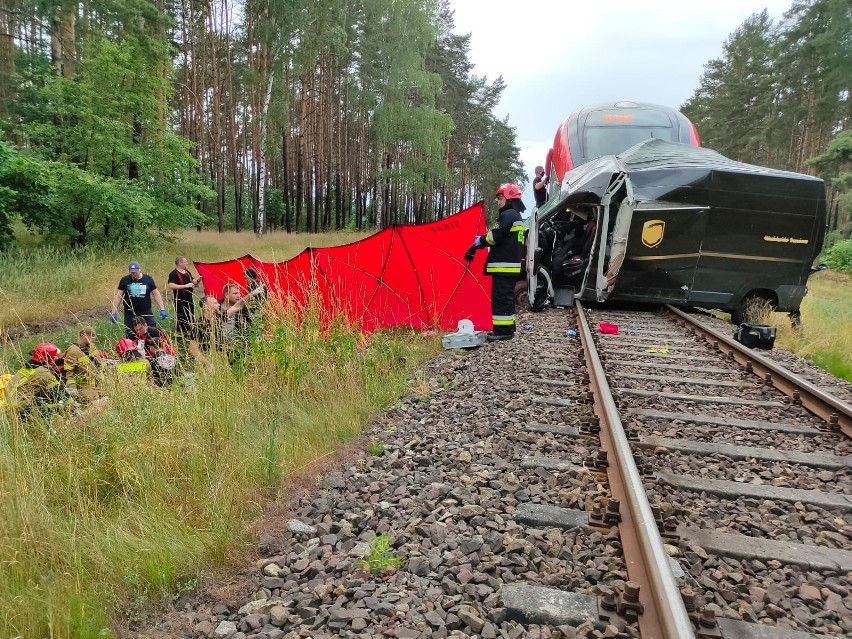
138, 366
506, 242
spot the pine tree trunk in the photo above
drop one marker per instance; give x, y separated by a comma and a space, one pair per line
7, 58
63, 42
260, 228
285, 186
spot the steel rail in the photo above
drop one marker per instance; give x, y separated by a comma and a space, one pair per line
664, 615
816, 400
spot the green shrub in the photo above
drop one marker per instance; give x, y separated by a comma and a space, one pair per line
839, 256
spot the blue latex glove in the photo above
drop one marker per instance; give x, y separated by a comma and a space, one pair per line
113, 317
163, 314
478, 241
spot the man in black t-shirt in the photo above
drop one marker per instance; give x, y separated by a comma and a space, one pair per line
540, 187
183, 285
134, 294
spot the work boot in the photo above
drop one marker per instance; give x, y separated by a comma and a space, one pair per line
499, 337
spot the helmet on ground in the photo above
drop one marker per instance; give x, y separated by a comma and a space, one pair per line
509, 191
124, 345
45, 351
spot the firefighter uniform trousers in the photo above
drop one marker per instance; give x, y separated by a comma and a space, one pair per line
503, 304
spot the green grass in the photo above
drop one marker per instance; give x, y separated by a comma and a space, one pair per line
42, 283
380, 557
98, 516
826, 338
376, 448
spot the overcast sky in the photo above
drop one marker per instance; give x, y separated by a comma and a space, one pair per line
559, 55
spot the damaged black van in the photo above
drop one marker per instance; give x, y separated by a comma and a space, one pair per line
665, 222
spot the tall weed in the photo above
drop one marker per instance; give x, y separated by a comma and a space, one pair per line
826, 333
135, 501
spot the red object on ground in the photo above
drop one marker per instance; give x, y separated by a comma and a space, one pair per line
609, 329
404, 275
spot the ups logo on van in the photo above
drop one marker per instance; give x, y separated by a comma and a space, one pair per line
652, 233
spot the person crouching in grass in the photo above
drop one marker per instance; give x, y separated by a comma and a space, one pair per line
81, 366
153, 343
36, 386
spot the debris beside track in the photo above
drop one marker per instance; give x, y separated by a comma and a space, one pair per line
798, 365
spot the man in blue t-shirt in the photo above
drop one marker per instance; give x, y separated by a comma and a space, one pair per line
134, 293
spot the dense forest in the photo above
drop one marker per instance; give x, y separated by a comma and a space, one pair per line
118, 116
781, 96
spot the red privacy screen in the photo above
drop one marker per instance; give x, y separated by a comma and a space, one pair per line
404, 275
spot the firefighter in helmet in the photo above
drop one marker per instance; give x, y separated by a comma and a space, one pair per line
37, 382
81, 366
505, 242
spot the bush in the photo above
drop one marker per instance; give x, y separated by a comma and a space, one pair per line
839, 256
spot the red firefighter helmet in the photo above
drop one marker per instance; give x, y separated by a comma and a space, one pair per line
509, 191
124, 345
45, 351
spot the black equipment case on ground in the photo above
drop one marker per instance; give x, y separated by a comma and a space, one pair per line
756, 336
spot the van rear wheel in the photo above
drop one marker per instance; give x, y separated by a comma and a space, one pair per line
752, 308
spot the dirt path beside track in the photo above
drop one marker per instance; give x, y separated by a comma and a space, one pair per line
12, 333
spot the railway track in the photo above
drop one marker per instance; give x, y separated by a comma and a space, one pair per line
517, 507
745, 469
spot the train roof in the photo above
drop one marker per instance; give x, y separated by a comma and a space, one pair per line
623, 104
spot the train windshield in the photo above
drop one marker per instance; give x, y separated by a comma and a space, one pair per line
609, 132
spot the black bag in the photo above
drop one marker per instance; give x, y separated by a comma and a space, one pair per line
756, 336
